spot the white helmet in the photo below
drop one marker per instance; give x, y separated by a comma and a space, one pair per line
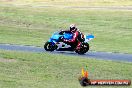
73, 27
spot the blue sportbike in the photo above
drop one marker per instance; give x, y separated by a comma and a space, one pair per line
55, 43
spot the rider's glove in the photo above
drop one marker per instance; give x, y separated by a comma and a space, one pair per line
61, 39
61, 32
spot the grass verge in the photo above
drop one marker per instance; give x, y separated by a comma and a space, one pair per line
69, 3
43, 70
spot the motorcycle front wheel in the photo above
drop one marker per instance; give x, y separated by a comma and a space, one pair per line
48, 46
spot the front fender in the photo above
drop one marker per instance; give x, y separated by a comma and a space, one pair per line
50, 40
53, 42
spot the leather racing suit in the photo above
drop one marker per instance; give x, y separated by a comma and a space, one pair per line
77, 39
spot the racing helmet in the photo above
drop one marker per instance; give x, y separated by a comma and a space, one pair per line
73, 28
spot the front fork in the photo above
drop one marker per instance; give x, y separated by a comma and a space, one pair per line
53, 43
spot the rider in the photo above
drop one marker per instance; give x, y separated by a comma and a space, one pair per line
78, 37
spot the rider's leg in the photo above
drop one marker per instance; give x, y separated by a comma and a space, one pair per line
78, 45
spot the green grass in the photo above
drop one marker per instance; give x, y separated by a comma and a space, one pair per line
34, 26
28, 25
43, 70
71, 2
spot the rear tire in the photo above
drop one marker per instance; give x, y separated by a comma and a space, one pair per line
84, 48
48, 46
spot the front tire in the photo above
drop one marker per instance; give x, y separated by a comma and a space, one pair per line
48, 46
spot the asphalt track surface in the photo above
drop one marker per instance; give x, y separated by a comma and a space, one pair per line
98, 55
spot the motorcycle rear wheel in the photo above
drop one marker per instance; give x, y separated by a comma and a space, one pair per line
84, 48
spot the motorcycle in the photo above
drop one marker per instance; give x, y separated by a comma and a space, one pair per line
54, 43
